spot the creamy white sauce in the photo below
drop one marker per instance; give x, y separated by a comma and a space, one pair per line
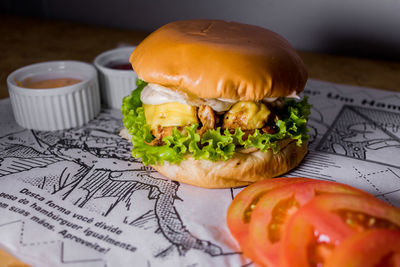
269, 99
272, 99
293, 95
155, 94
220, 104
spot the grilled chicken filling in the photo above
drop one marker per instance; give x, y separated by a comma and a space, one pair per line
207, 118
246, 115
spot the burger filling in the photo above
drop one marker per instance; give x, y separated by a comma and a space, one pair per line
166, 125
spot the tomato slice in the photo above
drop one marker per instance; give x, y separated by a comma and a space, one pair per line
272, 211
240, 211
323, 223
372, 248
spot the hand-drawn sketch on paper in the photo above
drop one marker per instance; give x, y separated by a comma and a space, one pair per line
385, 183
93, 164
354, 139
364, 133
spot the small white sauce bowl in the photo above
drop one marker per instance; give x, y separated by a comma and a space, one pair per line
55, 108
115, 84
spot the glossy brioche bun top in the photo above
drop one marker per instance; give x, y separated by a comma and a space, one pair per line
220, 59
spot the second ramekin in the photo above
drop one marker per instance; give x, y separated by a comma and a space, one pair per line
115, 84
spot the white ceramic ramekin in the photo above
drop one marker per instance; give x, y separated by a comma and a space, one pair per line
55, 108
115, 84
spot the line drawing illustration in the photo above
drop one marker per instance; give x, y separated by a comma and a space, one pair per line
22, 227
313, 166
91, 167
364, 133
92, 163
384, 183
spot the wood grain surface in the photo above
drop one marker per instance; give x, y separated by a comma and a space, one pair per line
27, 40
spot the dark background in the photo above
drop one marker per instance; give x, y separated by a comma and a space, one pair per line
361, 28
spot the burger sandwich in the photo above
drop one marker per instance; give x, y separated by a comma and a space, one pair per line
217, 103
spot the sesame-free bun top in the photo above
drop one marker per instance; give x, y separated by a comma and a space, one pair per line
220, 59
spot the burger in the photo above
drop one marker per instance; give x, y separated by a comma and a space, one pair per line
217, 103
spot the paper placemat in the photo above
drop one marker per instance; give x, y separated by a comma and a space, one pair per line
78, 198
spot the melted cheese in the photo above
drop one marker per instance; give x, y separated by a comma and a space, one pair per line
170, 114
247, 115
165, 107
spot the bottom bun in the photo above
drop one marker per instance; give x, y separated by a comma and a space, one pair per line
245, 167
242, 169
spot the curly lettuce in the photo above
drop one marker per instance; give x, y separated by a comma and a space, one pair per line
215, 144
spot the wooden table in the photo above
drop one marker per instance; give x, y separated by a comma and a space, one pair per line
27, 40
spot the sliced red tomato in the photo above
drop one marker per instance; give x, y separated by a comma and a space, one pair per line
323, 223
372, 248
272, 211
241, 208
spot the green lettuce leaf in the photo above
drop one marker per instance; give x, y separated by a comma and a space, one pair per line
216, 144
